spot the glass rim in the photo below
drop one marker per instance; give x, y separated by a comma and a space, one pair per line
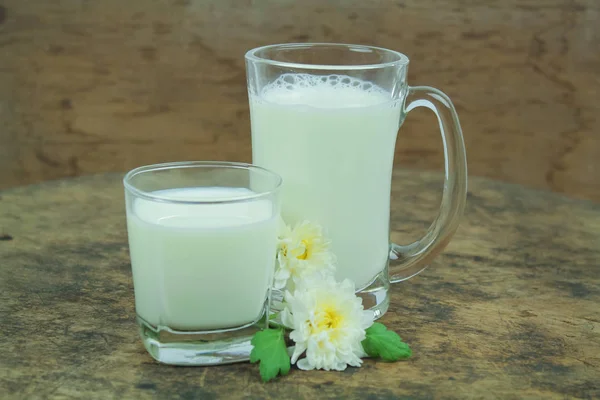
251, 55
129, 186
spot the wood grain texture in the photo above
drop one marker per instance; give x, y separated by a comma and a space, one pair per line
509, 310
97, 86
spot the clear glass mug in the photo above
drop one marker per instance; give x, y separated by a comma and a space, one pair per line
325, 117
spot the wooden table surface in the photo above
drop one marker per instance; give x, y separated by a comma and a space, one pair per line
509, 310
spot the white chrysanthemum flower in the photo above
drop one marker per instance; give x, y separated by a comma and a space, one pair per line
303, 251
328, 322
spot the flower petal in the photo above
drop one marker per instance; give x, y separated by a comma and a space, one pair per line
299, 349
305, 365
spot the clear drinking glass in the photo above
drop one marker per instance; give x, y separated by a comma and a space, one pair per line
326, 118
202, 240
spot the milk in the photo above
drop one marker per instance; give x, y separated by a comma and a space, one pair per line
332, 140
201, 266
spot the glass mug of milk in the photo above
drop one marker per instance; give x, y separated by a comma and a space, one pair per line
202, 240
325, 117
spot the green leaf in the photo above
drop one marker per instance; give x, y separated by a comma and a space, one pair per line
269, 348
385, 344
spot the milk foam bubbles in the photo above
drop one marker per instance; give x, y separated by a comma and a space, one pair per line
332, 91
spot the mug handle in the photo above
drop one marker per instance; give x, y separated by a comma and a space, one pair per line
409, 260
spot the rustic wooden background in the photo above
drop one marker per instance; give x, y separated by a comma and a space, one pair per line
94, 86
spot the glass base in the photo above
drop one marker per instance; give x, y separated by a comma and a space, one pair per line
197, 348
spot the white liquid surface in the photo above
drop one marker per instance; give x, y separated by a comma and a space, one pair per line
201, 266
332, 140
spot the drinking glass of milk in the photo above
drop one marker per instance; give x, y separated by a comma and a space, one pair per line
325, 117
202, 240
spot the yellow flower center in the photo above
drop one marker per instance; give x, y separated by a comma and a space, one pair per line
305, 254
329, 319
